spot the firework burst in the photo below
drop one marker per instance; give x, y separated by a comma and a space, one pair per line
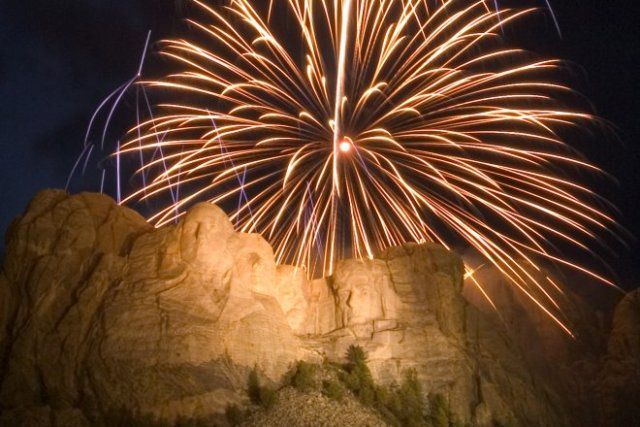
340, 128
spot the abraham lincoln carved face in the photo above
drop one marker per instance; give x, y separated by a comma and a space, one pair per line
362, 296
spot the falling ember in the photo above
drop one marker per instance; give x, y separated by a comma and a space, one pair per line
459, 137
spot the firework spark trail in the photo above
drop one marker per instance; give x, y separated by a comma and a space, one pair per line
111, 103
337, 122
401, 121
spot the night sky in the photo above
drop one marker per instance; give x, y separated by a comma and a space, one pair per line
59, 59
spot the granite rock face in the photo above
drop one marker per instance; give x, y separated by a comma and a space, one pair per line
100, 312
567, 365
407, 310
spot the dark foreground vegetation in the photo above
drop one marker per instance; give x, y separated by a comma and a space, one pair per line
398, 404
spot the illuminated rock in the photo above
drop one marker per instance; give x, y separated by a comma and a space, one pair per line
101, 312
406, 309
107, 312
292, 292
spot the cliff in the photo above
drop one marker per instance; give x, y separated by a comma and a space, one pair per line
100, 312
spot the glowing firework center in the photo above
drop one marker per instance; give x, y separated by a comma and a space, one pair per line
346, 145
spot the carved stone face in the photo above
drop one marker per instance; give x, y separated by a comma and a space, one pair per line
253, 263
359, 293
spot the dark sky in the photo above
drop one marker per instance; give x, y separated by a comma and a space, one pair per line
59, 59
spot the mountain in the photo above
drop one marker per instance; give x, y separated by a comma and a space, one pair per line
101, 313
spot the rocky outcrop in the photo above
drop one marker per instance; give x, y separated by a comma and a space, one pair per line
104, 312
568, 365
101, 312
407, 310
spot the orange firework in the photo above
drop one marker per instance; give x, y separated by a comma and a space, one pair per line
346, 127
